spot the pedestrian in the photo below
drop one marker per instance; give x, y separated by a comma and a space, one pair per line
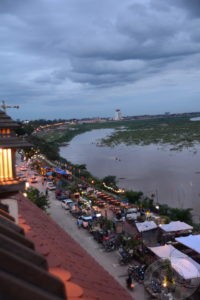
46, 192
79, 222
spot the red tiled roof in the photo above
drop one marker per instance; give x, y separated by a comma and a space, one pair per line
61, 251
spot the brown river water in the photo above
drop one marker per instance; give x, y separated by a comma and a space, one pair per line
173, 176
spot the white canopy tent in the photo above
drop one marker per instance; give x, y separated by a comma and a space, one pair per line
175, 226
191, 241
185, 266
145, 226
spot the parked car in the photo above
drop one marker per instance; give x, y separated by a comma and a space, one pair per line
51, 186
132, 216
61, 197
132, 210
66, 203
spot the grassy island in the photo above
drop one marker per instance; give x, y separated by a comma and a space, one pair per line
178, 132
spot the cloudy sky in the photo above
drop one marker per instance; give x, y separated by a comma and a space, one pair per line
85, 58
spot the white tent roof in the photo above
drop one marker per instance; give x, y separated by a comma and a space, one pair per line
191, 241
145, 226
183, 264
175, 226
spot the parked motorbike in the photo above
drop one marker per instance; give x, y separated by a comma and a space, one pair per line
110, 243
125, 256
156, 286
137, 272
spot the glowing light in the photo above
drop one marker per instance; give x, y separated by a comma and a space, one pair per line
6, 172
164, 283
27, 185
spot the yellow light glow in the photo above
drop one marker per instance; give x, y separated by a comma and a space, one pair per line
164, 283
9, 158
6, 171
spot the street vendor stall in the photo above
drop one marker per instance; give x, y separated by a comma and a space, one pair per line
185, 266
190, 241
168, 232
146, 226
172, 273
176, 226
148, 232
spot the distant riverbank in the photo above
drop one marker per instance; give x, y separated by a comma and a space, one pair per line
173, 176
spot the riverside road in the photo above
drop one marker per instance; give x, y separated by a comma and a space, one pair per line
108, 260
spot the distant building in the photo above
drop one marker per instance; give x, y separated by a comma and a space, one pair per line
118, 115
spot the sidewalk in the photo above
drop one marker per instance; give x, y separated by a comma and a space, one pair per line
109, 261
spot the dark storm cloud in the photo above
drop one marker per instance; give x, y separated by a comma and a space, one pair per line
192, 7
64, 47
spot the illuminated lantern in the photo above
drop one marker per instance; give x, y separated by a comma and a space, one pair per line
9, 142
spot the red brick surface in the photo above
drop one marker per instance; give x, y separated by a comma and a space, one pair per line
62, 251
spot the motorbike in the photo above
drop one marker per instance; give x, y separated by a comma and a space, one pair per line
110, 244
137, 272
125, 256
156, 286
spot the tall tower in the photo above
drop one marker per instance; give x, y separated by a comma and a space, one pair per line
118, 114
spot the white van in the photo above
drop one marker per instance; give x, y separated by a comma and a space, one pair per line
132, 214
132, 210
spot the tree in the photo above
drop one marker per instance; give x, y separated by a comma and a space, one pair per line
133, 197
180, 214
38, 198
110, 180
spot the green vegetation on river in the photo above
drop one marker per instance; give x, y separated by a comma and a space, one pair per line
178, 132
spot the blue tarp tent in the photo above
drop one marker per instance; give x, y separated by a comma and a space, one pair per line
49, 173
60, 171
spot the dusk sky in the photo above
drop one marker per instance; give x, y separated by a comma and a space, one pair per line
86, 58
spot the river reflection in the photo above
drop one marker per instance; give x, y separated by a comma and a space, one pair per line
173, 176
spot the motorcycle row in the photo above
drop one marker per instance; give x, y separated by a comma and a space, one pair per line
135, 272
115, 242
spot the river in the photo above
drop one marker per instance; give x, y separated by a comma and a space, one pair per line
173, 176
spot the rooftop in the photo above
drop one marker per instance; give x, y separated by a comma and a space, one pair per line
61, 251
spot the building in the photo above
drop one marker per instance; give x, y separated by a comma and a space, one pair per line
9, 143
118, 115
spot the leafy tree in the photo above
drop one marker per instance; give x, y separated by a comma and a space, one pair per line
147, 203
24, 129
49, 149
110, 180
180, 214
38, 198
163, 209
133, 197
